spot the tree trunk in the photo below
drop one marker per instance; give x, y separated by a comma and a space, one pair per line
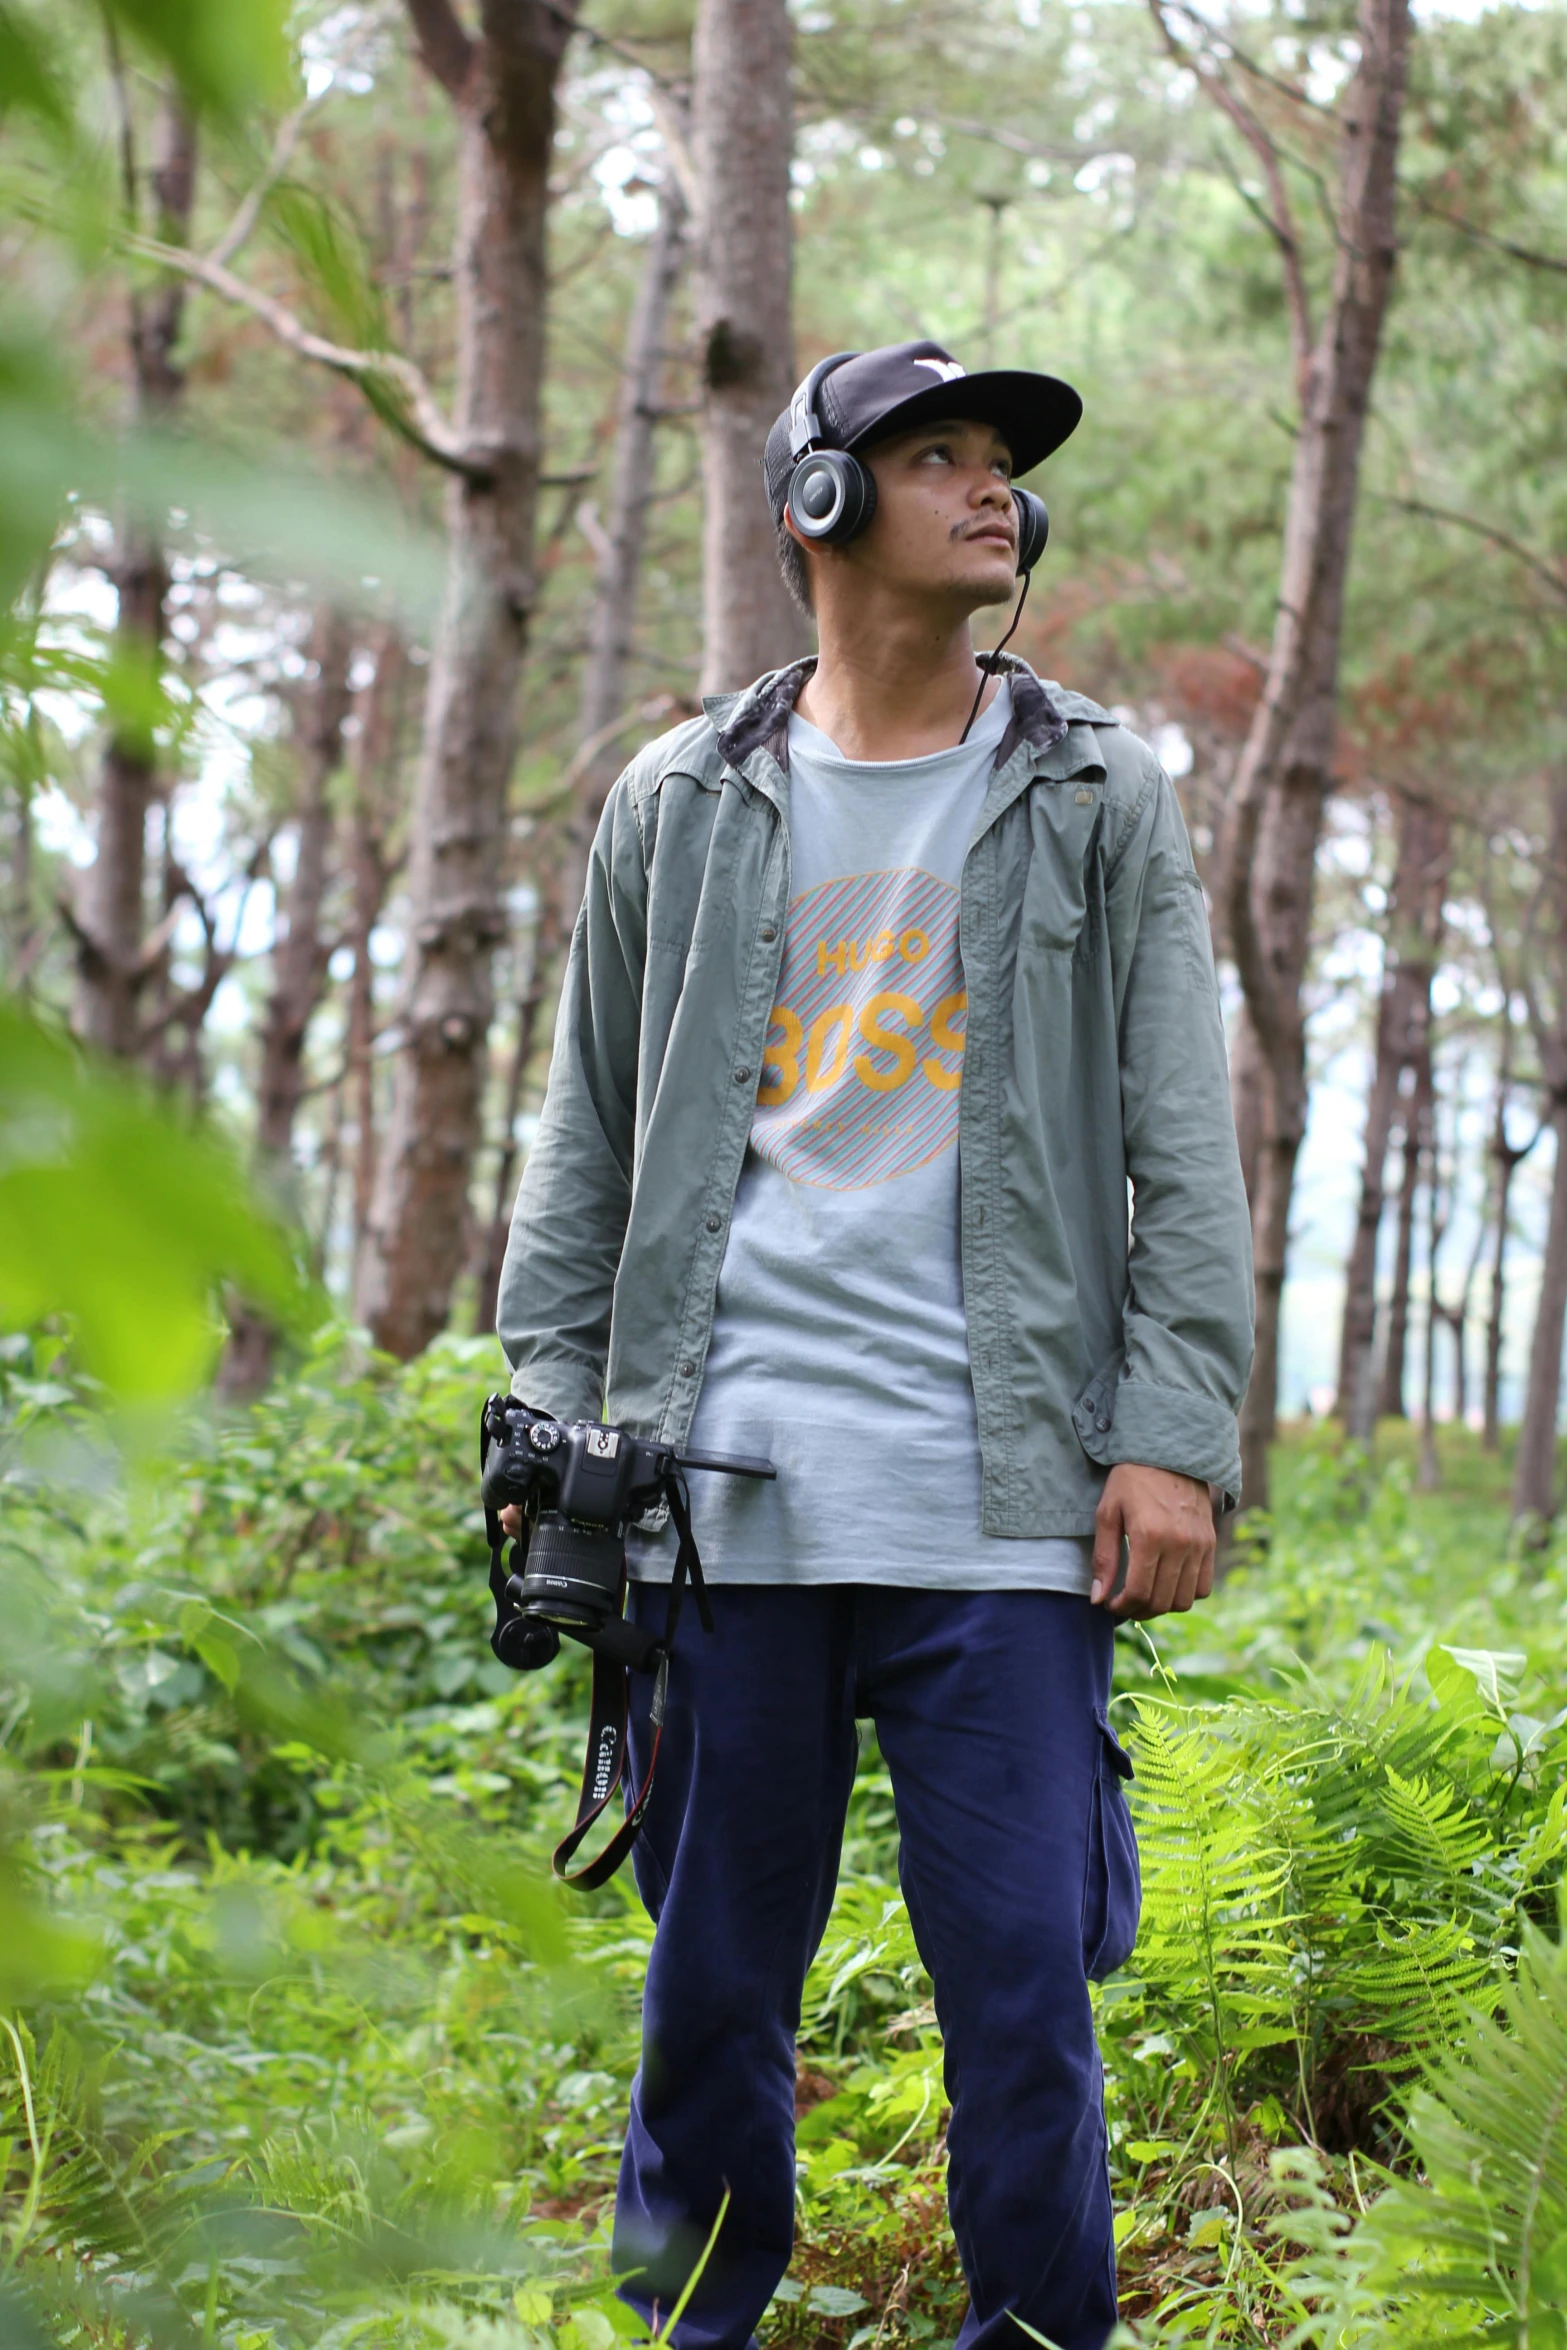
1270, 1236
1286, 768
299, 956
1389, 1388
541, 964
1506, 1160
1416, 1161
1534, 1471
606, 676
1414, 920
299, 960
742, 141
374, 770
1440, 1198
1248, 1088
502, 85
108, 918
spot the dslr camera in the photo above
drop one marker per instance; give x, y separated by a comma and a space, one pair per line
580, 1485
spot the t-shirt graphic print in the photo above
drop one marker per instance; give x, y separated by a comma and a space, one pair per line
864, 1053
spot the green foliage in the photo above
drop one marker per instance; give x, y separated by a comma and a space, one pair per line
315, 2054
115, 1215
1479, 2236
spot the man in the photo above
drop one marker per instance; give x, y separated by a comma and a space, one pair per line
892, 973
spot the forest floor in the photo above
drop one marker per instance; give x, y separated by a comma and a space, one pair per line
304, 2050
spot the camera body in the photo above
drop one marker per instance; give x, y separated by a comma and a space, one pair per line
580, 1485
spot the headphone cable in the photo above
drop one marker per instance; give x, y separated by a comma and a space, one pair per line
987, 661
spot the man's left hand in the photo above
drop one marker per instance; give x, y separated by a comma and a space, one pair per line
1167, 1523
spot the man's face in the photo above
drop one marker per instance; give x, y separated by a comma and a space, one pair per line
944, 517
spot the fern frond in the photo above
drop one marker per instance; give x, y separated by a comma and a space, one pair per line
1486, 2230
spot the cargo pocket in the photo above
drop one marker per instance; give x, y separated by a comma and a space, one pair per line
1112, 1881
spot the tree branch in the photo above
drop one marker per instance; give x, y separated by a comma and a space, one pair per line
410, 407
1554, 576
445, 48
249, 209
1278, 214
1554, 262
283, 145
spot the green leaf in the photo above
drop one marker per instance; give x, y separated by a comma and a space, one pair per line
29, 72
228, 56
126, 1221
1548, 2277
1495, 1672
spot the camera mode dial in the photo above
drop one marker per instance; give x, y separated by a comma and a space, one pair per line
544, 1436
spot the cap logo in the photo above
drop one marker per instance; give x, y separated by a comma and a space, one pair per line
947, 369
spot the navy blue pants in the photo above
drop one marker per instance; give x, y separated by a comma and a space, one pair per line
1019, 1867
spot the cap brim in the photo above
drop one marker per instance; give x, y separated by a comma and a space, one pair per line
1034, 414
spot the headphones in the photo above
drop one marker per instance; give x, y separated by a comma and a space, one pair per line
832, 496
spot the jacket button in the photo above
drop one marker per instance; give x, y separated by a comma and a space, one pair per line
1101, 1425
742, 1076
715, 1223
688, 1370
768, 934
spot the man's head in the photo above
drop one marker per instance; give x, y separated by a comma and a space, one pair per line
896, 464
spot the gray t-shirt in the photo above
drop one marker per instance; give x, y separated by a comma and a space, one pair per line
839, 1346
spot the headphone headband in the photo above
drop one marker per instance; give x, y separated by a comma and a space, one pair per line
805, 426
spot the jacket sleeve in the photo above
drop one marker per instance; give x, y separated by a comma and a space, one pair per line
568, 1227
1187, 1325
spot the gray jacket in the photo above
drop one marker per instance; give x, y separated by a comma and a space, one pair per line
1094, 1058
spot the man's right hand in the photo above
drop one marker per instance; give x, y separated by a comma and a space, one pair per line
511, 1520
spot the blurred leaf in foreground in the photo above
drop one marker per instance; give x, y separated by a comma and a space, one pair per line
115, 1214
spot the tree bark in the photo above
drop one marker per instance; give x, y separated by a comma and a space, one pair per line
299, 954
299, 961
1414, 922
1456, 1316
1534, 1470
606, 676
541, 963
1286, 768
1390, 1383
375, 766
1506, 1158
108, 919
1440, 1193
742, 142
502, 87
1491, 1401
1248, 1091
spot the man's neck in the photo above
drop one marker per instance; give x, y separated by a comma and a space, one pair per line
892, 686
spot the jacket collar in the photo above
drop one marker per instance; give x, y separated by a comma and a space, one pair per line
758, 718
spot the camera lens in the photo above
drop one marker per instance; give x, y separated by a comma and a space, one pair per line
525, 1644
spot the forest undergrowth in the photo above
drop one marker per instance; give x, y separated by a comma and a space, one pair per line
299, 2047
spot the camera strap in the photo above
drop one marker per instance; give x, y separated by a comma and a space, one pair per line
619, 1650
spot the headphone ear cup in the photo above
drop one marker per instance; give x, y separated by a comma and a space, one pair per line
1033, 528
832, 497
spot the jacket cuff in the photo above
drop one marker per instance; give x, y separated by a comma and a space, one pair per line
1161, 1428
562, 1389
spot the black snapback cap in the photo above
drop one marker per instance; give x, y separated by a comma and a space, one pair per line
904, 384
